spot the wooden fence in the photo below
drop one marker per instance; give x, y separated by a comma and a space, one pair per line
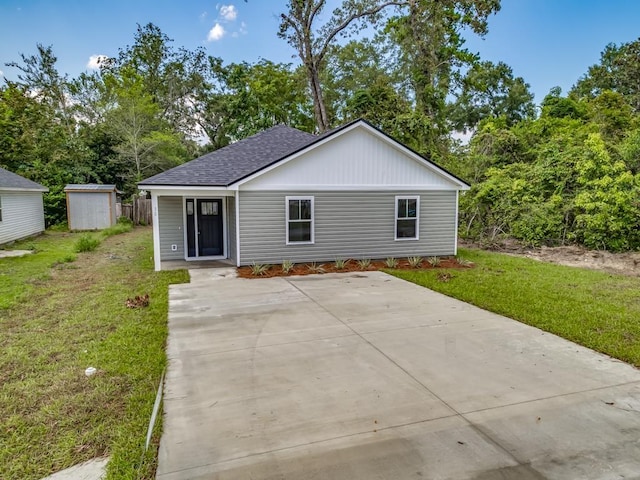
139, 211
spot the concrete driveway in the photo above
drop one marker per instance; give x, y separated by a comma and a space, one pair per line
365, 376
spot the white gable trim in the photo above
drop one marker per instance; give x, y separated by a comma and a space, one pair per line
373, 131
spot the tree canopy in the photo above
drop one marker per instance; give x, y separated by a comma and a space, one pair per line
566, 170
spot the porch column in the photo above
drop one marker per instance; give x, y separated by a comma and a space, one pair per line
156, 232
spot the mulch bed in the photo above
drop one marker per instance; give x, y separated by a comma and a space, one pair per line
351, 266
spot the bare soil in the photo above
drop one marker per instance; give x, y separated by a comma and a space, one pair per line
626, 263
350, 266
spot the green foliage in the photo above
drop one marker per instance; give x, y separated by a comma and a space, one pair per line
414, 262
117, 229
86, 243
259, 269
287, 266
340, 263
363, 263
434, 261
391, 262
315, 268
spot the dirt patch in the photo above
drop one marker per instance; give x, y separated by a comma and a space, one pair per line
626, 263
350, 266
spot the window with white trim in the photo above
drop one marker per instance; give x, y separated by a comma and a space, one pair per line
299, 220
407, 217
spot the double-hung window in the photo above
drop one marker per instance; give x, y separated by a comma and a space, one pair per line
299, 220
407, 217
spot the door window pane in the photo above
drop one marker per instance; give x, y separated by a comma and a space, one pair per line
209, 208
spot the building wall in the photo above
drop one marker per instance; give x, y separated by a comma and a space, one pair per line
91, 210
171, 227
347, 225
22, 215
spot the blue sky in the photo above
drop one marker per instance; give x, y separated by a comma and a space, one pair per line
547, 42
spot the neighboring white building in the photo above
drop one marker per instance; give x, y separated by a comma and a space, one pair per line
284, 194
21, 207
91, 206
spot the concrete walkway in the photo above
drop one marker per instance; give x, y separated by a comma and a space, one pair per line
365, 376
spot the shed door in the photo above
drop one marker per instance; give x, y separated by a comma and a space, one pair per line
204, 228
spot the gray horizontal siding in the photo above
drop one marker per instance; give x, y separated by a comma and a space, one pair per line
171, 227
22, 215
347, 225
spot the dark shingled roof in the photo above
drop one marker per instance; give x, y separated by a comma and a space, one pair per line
12, 180
236, 161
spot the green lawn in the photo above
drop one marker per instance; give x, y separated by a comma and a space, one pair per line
595, 309
61, 312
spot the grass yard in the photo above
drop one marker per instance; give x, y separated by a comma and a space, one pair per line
61, 312
595, 309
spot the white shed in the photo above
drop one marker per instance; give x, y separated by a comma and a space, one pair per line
21, 207
90, 206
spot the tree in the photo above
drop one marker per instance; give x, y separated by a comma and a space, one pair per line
298, 27
173, 78
41, 78
146, 144
618, 71
430, 50
490, 90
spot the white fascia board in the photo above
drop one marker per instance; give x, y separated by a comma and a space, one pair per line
373, 131
170, 190
359, 188
17, 189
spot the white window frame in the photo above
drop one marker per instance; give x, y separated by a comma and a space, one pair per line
286, 219
395, 222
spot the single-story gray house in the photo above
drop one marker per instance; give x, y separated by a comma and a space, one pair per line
90, 206
283, 194
21, 207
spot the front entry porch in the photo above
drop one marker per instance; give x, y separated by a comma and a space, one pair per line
194, 229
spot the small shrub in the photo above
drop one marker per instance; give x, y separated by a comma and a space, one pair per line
364, 263
315, 268
259, 269
86, 243
341, 263
30, 246
66, 259
463, 262
391, 262
414, 262
117, 229
434, 261
125, 221
287, 266
59, 227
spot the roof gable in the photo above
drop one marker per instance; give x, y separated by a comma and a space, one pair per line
357, 156
231, 163
13, 181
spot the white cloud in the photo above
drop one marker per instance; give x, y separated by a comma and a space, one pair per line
243, 28
1, 73
228, 12
216, 33
203, 15
95, 60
